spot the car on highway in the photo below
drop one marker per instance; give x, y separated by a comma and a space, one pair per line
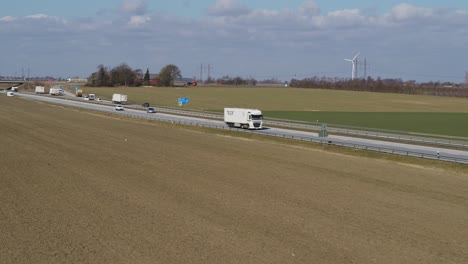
119, 108
150, 110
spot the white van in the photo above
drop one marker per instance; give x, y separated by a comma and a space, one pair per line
10, 94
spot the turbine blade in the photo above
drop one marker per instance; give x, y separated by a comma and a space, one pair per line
356, 55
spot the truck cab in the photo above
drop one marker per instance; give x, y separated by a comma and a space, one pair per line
255, 119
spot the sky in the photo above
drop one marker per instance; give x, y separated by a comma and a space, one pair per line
263, 39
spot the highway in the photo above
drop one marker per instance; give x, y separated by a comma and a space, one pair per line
431, 152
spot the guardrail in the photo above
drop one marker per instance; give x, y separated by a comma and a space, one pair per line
324, 141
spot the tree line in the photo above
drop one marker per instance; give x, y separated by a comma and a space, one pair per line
124, 75
226, 80
383, 86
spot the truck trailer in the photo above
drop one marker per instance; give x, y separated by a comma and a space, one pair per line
40, 90
55, 91
119, 98
244, 118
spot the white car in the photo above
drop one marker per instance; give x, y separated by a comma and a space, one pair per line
119, 108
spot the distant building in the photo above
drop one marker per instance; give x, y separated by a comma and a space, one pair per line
154, 78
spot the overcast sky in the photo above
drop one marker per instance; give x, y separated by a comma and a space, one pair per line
413, 40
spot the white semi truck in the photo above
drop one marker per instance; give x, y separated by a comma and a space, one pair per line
244, 118
119, 98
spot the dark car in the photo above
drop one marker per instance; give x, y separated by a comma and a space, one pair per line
151, 110
145, 104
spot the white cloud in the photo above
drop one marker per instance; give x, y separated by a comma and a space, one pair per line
134, 7
45, 17
344, 18
228, 8
7, 19
309, 9
406, 12
38, 16
138, 21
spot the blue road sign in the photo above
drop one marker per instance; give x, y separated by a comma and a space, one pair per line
183, 101
76, 88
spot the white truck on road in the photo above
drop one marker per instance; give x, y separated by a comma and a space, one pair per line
55, 91
244, 118
40, 90
119, 98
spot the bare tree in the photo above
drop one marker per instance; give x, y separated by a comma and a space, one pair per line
168, 74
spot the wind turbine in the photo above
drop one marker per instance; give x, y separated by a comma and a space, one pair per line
354, 70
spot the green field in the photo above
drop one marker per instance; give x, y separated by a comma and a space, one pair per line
413, 113
453, 124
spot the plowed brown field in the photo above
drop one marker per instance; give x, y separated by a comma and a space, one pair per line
77, 187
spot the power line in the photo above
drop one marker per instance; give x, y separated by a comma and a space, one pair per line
201, 72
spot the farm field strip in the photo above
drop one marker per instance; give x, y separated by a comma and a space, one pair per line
287, 99
450, 124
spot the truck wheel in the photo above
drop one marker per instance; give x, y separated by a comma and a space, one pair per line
245, 126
